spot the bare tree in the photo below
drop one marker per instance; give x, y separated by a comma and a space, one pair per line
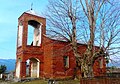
63, 18
110, 31
94, 22
103, 20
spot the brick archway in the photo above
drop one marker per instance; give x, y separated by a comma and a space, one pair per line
33, 68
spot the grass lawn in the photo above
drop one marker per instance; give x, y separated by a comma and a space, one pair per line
46, 82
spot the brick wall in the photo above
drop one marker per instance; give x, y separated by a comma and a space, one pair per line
102, 80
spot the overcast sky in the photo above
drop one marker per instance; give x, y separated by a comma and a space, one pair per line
10, 10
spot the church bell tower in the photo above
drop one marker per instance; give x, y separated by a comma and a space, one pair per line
31, 28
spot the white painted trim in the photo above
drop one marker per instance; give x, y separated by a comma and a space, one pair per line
20, 32
18, 69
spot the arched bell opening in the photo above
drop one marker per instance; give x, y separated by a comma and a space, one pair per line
34, 33
32, 68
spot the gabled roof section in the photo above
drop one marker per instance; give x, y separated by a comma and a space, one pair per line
32, 12
62, 41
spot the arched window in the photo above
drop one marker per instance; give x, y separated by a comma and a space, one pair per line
101, 63
66, 61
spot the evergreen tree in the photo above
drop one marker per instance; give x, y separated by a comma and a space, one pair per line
2, 68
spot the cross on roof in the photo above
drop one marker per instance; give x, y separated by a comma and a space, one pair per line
31, 6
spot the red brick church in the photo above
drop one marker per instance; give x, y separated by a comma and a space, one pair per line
43, 57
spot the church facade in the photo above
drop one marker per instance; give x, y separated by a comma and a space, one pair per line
38, 56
